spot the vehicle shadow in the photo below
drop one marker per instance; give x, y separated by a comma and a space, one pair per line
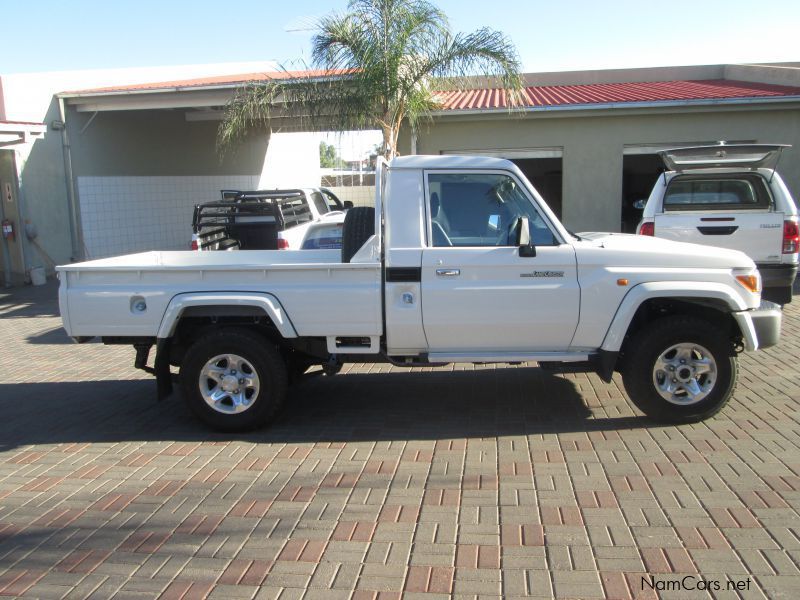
29, 301
348, 407
56, 335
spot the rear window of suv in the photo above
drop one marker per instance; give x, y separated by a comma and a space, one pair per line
716, 193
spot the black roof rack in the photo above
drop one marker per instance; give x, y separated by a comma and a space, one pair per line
286, 208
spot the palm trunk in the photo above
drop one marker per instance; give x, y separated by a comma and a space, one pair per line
389, 142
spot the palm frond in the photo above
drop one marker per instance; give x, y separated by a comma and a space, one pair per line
385, 55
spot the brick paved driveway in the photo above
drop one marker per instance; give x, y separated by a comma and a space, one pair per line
375, 483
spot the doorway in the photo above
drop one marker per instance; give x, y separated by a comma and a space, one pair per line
639, 174
546, 175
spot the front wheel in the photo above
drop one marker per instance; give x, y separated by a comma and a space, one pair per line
234, 380
680, 369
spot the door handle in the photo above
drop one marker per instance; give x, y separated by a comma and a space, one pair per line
448, 272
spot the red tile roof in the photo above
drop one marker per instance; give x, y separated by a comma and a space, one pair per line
613, 93
543, 96
201, 82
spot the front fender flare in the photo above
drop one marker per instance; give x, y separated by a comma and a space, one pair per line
266, 302
667, 289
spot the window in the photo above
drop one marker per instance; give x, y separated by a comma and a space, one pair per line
716, 193
480, 209
295, 211
319, 203
333, 201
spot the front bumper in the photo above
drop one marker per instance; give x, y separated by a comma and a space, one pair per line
761, 327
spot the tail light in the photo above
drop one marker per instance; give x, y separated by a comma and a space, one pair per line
194, 245
791, 237
647, 228
283, 244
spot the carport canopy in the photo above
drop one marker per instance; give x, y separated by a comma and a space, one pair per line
19, 132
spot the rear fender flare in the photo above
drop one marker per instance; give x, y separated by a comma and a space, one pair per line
267, 303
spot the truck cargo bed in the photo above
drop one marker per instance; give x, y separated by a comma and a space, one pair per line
320, 295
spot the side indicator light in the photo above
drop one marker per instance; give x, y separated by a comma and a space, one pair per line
622, 282
750, 282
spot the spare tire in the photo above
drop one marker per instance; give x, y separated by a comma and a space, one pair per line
359, 226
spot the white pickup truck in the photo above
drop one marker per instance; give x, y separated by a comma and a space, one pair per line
460, 261
730, 196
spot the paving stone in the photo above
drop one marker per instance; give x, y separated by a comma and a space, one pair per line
466, 482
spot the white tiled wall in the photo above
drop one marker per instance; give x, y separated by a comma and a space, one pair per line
134, 214
358, 195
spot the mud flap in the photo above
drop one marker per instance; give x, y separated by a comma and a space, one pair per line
161, 368
604, 363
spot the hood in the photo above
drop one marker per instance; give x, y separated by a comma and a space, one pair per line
643, 250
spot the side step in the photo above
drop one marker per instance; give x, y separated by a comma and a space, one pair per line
506, 357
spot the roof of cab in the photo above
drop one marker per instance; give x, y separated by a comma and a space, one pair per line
449, 161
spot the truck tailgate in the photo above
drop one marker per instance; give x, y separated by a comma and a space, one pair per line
758, 234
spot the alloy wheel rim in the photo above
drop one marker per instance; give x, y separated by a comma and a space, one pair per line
229, 383
685, 374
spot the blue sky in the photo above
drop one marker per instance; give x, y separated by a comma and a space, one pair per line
43, 35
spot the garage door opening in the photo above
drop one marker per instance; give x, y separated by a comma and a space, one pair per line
639, 174
546, 175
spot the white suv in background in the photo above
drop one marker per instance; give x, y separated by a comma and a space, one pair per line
729, 196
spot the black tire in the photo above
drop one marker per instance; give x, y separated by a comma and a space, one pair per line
640, 376
359, 225
259, 355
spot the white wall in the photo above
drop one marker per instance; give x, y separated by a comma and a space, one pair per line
30, 97
135, 214
359, 195
292, 161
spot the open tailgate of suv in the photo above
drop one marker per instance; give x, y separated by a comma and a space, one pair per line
746, 156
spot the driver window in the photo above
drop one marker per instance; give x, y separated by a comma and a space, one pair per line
480, 209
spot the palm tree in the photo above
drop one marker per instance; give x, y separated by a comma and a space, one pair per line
373, 67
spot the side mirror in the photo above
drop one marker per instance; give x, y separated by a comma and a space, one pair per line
639, 204
348, 204
522, 237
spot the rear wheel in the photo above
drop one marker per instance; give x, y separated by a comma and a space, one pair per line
680, 369
234, 380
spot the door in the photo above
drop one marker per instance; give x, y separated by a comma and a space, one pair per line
732, 210
478, 293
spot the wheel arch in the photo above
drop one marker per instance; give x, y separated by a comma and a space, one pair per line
647, 301
225, 304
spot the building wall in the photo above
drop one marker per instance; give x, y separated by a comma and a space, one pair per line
120, 215
155, 143
593, 146
10, 250
147, 170
40, 164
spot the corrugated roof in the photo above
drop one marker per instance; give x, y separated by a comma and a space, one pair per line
544, 96
613, 93
201, 82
